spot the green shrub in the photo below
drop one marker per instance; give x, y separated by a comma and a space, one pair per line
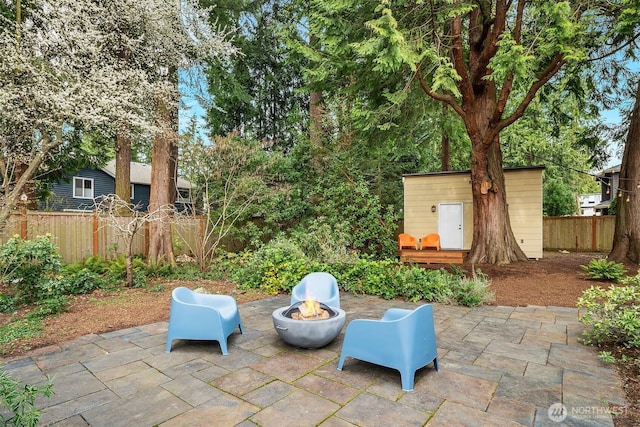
351, 207
371, 277
613, 315
602, 269
19, 400
275, 267
8, 303
280, 265
83, 281
323, 242
471, 291
631, 280
94, 264
49, 306
28, 266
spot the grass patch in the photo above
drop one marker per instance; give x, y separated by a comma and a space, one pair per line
19, 329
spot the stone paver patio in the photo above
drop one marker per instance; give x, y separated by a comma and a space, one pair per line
499, 366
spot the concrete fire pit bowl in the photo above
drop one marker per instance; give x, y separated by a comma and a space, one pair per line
308, 333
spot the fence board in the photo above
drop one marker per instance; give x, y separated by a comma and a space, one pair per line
581, 233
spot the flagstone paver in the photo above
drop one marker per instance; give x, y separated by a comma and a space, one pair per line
498, 366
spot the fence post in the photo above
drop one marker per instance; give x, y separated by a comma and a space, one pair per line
146, 239
23, 224
96, 242
594, 234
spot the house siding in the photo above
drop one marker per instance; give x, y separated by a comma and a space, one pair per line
103, 184
141, 195
524, 197
62, 192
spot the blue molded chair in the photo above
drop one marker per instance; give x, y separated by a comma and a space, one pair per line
403, 339
320, 286
196, 316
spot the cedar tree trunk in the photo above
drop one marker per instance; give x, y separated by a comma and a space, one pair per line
123, 166
493, 239
162, 186
626, 238
445, 156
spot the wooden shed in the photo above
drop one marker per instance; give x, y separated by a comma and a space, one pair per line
441, 202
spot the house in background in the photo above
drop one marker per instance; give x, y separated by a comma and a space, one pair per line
588, 203
441, 202
609, 180
83, 187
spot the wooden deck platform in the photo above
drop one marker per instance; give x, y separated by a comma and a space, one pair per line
447, 256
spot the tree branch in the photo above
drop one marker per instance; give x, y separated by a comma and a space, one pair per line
458, 61
552, 69
447, 99
507, 85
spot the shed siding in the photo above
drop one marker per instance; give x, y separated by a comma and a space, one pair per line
524, 197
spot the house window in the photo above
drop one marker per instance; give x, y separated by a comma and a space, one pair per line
183, 195
82, 188
132, 187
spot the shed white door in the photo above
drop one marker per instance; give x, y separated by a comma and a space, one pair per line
450, 227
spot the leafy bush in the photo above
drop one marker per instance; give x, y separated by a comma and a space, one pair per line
28, 266
276, 267
7, 303
323, 242
471, 291
558, 198
83, 281
351, 207
390, 279
372, 277
600, 268
19, 400
280, 265
631, 280
612, 315
94, 264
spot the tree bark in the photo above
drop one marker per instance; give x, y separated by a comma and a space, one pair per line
626, 238
123, 150
123, 166
445, 156
315, 119
162, 165
315, 111
493, 238
28, 198
12, 199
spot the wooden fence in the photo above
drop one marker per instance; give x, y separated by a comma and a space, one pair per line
579, 233
80, 235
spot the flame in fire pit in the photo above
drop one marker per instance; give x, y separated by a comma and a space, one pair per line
310, 310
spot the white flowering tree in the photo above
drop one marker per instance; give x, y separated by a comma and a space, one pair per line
91, 65
176, 35
57, 74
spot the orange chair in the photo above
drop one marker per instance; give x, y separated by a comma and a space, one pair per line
407, 241
430, 241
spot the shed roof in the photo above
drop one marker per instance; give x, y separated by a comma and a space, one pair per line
140, 174
469, 171
611, 170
